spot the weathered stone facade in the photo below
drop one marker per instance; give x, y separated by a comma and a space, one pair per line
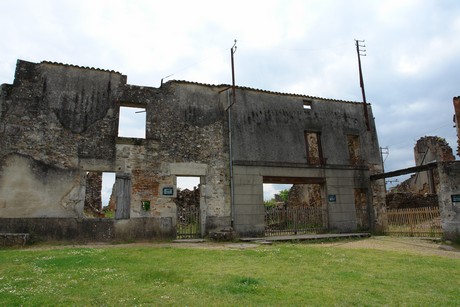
59, 123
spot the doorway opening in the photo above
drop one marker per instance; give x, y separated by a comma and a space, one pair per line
298, 207
188, 223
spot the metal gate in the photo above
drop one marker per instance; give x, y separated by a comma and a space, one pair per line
188, 222
414, 222
295, 220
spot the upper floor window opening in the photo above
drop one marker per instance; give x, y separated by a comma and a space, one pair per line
313, 148
132, 122
307, 104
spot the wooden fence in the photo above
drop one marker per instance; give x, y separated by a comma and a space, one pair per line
295, 220
414, 222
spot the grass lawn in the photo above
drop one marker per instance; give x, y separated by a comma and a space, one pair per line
283, 274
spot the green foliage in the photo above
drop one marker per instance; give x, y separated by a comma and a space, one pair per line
284, 194
270, 203
276, 275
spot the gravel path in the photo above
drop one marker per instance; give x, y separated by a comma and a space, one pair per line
419, 246
401, 244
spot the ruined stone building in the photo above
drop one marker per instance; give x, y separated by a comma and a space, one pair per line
59, 132
435, 180
427, 150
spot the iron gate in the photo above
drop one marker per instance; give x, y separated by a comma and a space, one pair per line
188, 222
414, 222
295, 220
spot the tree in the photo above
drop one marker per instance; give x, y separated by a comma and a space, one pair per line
284, 194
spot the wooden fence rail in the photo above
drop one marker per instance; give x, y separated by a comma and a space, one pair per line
414, 222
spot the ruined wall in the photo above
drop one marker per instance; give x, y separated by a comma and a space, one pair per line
31, 188
54, 119
299, 136
262, 119
449, 196
305, 195
456, 101
185, 136
410, 200
427, 149
58, 122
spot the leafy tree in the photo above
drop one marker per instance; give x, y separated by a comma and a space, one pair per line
270, 203
284, 194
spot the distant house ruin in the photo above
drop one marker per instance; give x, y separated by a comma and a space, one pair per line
59, 131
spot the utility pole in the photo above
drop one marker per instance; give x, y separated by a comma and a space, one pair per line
360, 51
232, 52
384, 151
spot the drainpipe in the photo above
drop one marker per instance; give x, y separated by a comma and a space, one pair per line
230, 104
230, 148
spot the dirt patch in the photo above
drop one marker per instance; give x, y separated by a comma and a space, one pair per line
418, 246
198, 245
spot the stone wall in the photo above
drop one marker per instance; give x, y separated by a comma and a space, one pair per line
89, 230
305, 195
410, 200
449, 194
59, 122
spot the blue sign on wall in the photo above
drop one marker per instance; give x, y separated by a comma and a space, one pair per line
332, 198
168, 191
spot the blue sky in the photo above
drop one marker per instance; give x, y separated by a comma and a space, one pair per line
303, 47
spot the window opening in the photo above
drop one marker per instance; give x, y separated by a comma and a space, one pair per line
307, 104
99, 201
354, 151
313, 148
132, 122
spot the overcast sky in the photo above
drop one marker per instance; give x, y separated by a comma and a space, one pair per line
411, 71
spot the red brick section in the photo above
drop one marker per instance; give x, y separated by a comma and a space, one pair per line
146, 183
93, 200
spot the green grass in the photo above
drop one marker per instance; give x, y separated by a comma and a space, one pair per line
278, 275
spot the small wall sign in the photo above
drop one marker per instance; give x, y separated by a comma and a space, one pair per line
167, 191
455, 198
332, 198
